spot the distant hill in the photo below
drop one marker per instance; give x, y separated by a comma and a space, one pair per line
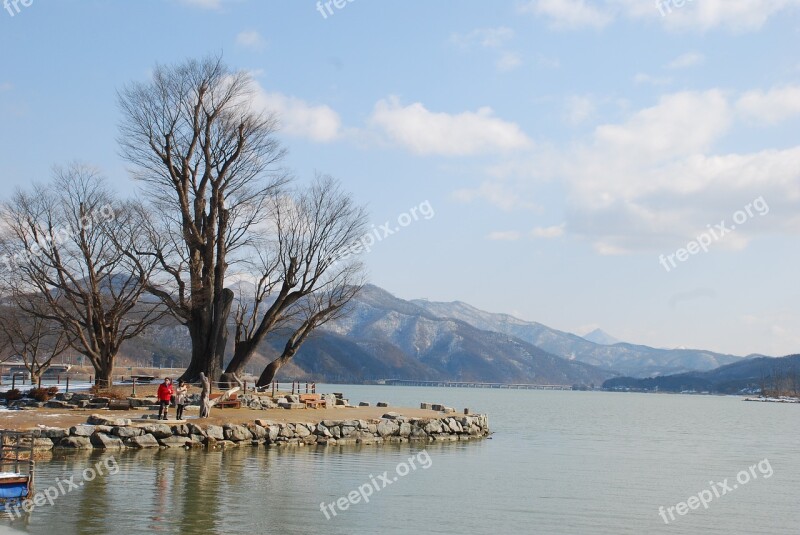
599, 336
741, 377
627, 359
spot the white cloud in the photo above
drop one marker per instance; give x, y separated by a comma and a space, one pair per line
642, 78
251, 39
699, 15
555, 231
770, 107
504, 235
485, 37
508, 61
299, 118
684, 61
565, 14
578, 109
425, 132
657, 179
499, 194
202, 4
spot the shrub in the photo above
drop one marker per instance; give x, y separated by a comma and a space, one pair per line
11, 395
42, 394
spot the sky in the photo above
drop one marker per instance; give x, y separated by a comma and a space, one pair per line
623, 164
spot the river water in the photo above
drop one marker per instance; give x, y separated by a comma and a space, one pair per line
558, 462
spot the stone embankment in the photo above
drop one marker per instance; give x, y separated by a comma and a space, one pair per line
101, 432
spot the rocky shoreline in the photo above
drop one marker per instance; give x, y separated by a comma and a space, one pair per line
106, 433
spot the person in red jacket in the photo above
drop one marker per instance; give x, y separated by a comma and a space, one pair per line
165, 393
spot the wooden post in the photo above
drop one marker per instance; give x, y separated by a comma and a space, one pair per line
67, 383
90, 379
273, 388
245, 387
133, 392
306, 388
13, 381
39, 383
58, 379
313, 388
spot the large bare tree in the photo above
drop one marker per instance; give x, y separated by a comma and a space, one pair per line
303, 277
210, 164
72, 244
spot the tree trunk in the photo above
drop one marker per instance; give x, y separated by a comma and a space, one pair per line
268, 375
104, 373
205, 401
208, 330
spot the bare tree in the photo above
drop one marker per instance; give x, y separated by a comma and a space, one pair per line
302, 275
316, 309
209, 162
73, 245
31, 337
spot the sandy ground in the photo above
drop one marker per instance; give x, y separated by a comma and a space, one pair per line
31, 419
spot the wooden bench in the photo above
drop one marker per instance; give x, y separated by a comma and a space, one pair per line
232, 402
313, 401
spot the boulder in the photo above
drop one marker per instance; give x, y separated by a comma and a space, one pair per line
382, 404
105, 441
174, 442
391, 416
54, 433
56, 404
96, 419
158, 430
78, 442
42, 444
387, 428
237, 433
81, 430
142, 441
127, 432
405, 429
301, 431
215, 432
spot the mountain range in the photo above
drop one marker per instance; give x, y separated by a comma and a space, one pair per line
384, 337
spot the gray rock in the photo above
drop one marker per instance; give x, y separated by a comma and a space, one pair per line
348, 430
79, 442
174, 442
301, 431
391, 416
387, 428
382, 404
405, 429
56, 404
259, 433
237, 433
433, 427
42, 444
54, 434
181, 430
158, 430
215, 432
105, 441
127, 432
81, 430
142, 441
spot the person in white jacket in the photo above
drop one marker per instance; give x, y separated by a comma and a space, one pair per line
181, 394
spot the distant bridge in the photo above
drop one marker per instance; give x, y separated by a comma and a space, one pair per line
466, 384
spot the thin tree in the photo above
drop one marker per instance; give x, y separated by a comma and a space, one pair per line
303, 277
210, 163
35, 340
315, 310
73, 245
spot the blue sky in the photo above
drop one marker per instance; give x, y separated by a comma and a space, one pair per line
566, 147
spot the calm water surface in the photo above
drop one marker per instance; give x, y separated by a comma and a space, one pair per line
559, 462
